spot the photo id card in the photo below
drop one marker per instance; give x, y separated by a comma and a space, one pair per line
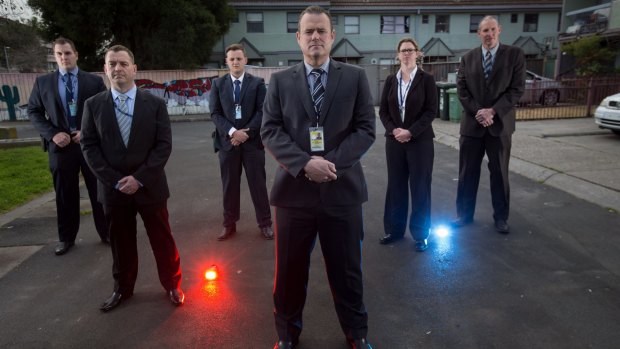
73, 108
317, 139
237, 112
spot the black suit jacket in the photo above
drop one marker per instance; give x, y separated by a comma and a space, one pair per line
46, 110
146, 154
222, 105
501, 91
348, 118
420, 108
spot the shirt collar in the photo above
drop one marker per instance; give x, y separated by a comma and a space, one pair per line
73, 71
411, 75
493, 51
309, 68
240, 78
131, 93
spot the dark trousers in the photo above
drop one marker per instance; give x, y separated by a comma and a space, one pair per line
340, 231
124, 245
232, 163
471, 153
65, 166
410, 169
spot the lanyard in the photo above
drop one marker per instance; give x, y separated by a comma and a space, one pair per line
401, 97
68, 91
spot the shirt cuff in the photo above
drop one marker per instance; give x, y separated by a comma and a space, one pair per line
231, 131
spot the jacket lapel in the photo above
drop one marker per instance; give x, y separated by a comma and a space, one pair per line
300, 79
333, 80
247, 79
136, 119
62, 118
110, 109
228, 99
499, 56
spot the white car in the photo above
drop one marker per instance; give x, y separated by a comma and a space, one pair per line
607, 115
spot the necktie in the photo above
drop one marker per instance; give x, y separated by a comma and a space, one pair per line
123, 118
237, 91
488, 65
318, 92
68, 99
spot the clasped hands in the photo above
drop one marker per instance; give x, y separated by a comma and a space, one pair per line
320, 170
239, 136
128, 185
62, 139
402, 135
485, 116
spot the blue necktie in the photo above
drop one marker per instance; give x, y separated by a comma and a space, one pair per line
318, 92
123, 118
488, 65
68, 99
237, 91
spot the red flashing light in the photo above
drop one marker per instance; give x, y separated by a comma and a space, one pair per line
211, 273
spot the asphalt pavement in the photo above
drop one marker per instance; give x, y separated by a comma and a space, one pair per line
553, 282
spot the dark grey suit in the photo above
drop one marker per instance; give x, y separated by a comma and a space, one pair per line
250, 155
332, 209
144, 157
501, 92
46, 111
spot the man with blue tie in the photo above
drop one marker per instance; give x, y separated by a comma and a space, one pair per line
126, 140
236, 103
55, 109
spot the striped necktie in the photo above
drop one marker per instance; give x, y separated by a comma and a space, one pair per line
488, 65
318, 92
123, 118
68, 100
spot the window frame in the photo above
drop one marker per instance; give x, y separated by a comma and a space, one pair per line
445, 24
254, 26
349, 26
395, 25
532, 26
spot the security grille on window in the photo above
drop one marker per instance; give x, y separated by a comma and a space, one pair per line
442, 24
530, 22
351, 24
394, 24
254, 22
291, 22
474, 20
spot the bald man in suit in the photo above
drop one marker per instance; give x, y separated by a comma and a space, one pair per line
490, 81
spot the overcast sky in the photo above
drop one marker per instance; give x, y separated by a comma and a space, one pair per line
17, 10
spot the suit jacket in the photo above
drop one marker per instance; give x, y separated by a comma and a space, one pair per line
501, 91
348, 119
46, 109
420, 106
146, 154
222, 105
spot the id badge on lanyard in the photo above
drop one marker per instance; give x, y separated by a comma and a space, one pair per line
237, 111
317, 139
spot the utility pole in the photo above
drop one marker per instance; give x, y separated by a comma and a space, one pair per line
6, 57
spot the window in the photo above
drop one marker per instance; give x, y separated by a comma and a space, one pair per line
334, 20
236, 17
514, 18
424, 19
387, 61
293, 61
351, 24
474, 20
530, 22
394, 24
291, 22
442, 24
254, 22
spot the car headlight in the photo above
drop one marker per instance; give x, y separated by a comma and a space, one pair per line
604, 102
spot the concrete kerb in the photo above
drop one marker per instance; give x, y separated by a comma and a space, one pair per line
577, 187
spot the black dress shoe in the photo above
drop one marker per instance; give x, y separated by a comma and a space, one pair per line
267, 232
285, 345
177, 297
421, 245
502, 226
114, 301
227, 232
361, 343
63, 247
389, 238
461, 222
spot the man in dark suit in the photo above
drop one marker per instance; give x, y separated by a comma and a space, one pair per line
126, 140
55, 109
236, 104
491, 79
318, 122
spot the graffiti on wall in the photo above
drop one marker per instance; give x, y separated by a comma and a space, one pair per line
11, 98
192, 92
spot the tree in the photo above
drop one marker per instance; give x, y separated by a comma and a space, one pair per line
592, 56
163, 34
23, 45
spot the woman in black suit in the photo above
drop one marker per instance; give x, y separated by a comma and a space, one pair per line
408, 107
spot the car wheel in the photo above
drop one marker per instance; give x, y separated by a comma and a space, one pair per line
550, 98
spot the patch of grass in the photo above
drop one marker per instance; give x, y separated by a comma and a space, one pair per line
24, 175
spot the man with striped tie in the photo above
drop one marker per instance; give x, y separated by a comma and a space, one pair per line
318, 122
490, 81
126, 140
